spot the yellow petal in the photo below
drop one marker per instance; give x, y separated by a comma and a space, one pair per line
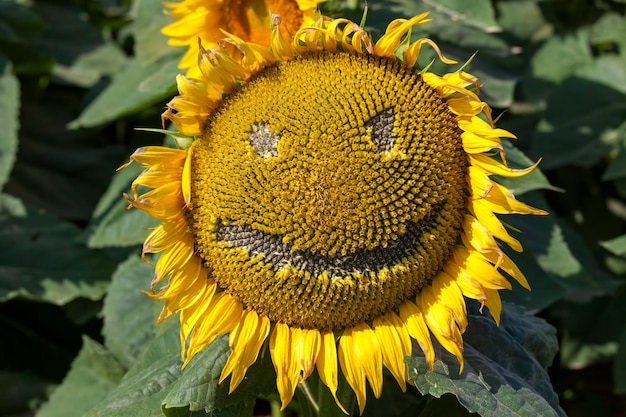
492, 166
222, 315
245, 340
360, 357
154, 155
395, 344
327, 365
441, 313
413, 319
493, 224
306, 345
394, 33
174, 257
165, 235
281, 351
494, 303
163, 203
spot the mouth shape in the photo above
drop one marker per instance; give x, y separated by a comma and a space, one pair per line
279, 254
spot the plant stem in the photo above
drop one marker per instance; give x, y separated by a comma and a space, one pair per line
304, 387
275, 408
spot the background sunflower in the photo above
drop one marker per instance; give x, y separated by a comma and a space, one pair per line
78, 336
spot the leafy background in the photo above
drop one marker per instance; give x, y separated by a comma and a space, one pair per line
78, 336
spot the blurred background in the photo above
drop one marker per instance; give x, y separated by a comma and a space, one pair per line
77, 78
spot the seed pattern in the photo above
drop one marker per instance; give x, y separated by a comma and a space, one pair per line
263, 140
345, 213
382, 133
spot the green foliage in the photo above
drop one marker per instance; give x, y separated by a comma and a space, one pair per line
505, 367
9, 109
79, 79
94, 373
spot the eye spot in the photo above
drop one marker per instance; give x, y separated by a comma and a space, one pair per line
381, 132
263, 140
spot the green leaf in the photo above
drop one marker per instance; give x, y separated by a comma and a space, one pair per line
134, 88
112, 223
478, 14
9, 112
498, 85
608, 29
11, 207
64, 269
591, 331
533, 181
58, 171
556, 60
502, 375
89, 67
616, 246
129, 314
198, 388
561, 253
529, 27
585, 116
617, 166
544, 290
93, 374
145, 385
150, 43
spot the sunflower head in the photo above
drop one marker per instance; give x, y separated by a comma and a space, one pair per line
335, 201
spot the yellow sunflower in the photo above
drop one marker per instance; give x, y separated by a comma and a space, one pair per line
202, 21
334, 204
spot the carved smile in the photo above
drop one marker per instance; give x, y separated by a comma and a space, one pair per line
279, 254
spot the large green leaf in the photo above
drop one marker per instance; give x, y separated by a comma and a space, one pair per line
145, 385
562, 254
592, 329
113, 224
156, 383
11, 207
94, 373
585, 115
150, 43
616, 246
59, 171
528, 28
129, 314
555, 61
43, 258
9, 108
544, 290
198, 388
136, 87
504, 371
533, 181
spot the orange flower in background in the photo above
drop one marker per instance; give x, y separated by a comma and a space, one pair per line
202, 21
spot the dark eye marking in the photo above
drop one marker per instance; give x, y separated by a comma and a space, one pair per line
381, 130
263, 140
279, 254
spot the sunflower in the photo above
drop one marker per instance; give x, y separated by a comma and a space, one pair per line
204, 20
335, 203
